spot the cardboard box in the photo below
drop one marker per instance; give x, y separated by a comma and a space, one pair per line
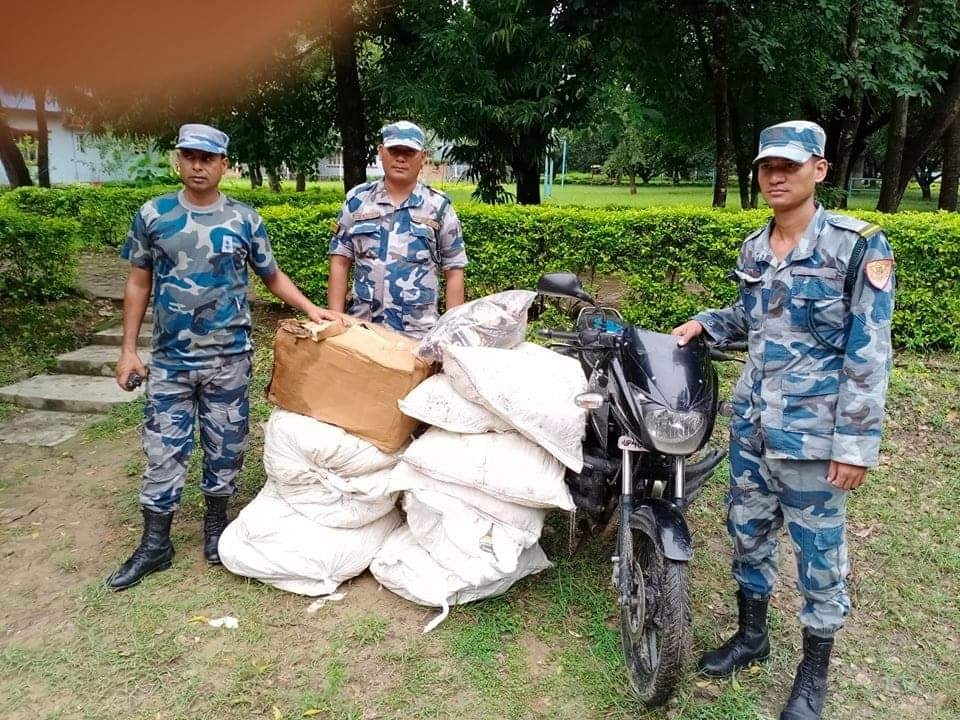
348, 377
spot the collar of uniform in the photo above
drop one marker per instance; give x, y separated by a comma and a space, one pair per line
382, 197
212, 207
808, 241
804, 248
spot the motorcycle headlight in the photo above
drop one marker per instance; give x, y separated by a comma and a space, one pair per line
672, 432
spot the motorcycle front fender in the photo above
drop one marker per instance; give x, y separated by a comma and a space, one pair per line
665, 525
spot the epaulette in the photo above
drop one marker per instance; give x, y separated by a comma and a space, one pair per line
432, 189
861, 227
357, 189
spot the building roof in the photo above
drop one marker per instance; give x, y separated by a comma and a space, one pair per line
24, 101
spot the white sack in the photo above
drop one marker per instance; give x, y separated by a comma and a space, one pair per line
299, 450
532, 388
505, 465
405, 568
525, 519
435, 402
498, 320
272, 543
341, 502
477, 548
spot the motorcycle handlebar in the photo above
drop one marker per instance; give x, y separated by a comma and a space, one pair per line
584, 338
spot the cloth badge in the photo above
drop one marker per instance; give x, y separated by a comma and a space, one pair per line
227, 246
879, 272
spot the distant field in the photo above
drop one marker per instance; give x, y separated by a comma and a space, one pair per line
650, 196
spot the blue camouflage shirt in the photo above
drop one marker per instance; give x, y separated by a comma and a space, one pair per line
815, 383
398, 253
199, 257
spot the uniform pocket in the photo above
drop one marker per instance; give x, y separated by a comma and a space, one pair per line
818, 299
751, 297
810, 401
423, 243
366, 240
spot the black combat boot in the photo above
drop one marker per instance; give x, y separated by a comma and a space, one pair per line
748, 645
214, 522
155, 552
810, 684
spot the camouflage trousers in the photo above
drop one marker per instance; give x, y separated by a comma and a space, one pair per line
765, 493
220, 396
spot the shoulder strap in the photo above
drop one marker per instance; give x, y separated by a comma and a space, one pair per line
856, 257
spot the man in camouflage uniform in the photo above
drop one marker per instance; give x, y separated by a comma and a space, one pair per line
399, 235
191, 249
816, 299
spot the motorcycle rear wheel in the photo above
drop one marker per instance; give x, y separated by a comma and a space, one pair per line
655, 624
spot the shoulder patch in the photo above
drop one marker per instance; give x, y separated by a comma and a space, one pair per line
879, 272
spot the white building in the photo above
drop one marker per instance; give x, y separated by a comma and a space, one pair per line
74, 155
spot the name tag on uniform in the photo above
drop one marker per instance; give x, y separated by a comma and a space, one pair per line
424, 220
368, 215
227, 246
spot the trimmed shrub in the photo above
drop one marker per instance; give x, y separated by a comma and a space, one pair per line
38, 256
672, 261
105, 213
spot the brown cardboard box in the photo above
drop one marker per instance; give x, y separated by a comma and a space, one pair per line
348, 377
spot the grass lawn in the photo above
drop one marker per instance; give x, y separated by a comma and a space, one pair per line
548, 649
649, 196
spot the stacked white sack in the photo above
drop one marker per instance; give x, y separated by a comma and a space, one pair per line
323, 513
531, 388
475, 492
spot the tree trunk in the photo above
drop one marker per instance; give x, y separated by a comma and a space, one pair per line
301, 182
256, 175
754, 190
890, 195
13, 163
925, 193
847, 135
633, 183
526, 170
351, 118
893, 159
950, 179
43, 137
273, 180
721, 101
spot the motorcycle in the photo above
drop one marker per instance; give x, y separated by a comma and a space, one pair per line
651, 405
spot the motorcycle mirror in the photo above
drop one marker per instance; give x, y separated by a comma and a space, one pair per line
589, 401
563, 284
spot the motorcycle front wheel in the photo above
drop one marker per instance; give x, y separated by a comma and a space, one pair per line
655, 620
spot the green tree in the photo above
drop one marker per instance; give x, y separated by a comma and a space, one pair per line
499, 76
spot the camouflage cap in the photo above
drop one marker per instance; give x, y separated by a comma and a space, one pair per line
402, 133
195, 136
795, 140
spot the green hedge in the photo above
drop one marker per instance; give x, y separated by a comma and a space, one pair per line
671, 262
38, 256
105, 213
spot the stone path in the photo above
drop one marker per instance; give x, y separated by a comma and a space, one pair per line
58, 405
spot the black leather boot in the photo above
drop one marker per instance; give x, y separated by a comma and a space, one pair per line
748, 645
214, 522
155, 552
810, 684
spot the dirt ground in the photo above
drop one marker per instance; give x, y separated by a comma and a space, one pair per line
549, 649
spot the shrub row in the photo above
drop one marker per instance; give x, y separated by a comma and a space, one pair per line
38, 256
105, 213
669, 262
666, 262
